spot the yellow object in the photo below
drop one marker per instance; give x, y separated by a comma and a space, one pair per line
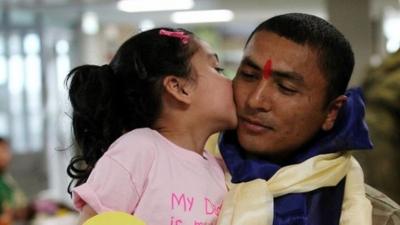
212, 145
252, 202
356, 208
114, 218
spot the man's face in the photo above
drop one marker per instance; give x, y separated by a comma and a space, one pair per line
5, 156
282, 110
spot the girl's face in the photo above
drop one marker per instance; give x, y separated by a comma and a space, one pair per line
213, 92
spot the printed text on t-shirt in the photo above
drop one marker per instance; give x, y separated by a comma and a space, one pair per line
185, 203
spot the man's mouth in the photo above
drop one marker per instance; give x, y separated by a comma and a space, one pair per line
253, 125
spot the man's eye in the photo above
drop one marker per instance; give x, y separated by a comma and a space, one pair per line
248, 75
286, 90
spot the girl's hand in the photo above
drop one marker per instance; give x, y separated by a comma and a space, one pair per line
86, 213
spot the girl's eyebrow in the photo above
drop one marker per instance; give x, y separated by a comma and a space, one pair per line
213, 55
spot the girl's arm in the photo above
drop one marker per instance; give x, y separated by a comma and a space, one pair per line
86, 213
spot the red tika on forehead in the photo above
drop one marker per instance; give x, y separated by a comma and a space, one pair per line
267, 69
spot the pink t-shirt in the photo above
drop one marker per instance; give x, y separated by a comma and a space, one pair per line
145, 174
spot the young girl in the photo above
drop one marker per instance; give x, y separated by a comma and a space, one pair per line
141, 123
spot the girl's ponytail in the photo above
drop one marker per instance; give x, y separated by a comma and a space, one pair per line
94, 97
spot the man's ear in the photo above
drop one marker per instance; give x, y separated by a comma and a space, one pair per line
178, 88
333, 111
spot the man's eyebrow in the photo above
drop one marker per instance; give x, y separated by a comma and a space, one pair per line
249, 62
288, 75
275, 73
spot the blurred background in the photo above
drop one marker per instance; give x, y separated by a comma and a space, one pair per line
41, 40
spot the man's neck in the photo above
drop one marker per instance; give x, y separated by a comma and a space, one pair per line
280, 159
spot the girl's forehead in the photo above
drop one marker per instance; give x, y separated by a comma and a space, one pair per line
207, 52
205, 47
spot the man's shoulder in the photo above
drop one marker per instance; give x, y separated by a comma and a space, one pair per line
384, 210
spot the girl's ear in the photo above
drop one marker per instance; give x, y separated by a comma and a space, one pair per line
333, 112
178, 88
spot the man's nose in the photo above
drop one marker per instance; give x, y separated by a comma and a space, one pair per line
259, 98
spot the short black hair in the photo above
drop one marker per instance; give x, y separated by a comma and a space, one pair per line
336, 57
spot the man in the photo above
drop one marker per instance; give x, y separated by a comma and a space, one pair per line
289, 157
382, 95
13, 202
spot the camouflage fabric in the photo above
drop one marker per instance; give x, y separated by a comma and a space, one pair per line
382, 94
384, 210
10, 193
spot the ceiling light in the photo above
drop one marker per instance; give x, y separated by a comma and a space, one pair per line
204, 16
90, 23
390, 30
154, 5
146, 25
392, 45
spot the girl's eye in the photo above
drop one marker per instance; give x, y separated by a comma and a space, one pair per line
219, 69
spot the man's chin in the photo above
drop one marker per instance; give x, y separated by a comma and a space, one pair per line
253, 144
255, 148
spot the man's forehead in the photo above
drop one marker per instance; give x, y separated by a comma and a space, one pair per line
254, 54
285, 54
276, 72
257, 53
265, 42
302, 70
258, 62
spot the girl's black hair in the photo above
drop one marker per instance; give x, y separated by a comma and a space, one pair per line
110, 100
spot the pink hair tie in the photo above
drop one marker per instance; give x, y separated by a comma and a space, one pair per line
176, 34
